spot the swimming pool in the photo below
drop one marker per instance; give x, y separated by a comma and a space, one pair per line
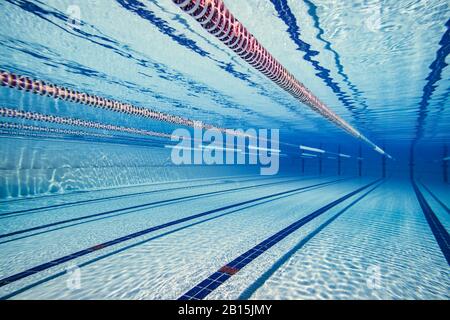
269, 149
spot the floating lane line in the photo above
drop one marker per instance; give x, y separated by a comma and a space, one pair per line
215, 18
36, 116
205, 287
29, 272
440, 233
19, 82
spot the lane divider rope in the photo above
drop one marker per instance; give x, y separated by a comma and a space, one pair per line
35, 116
24, 127
43, 88
215, 18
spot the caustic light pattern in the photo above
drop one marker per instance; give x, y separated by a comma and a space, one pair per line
97, 97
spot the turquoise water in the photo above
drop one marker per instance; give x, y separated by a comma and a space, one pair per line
93, 206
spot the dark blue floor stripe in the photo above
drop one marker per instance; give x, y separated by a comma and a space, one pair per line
440, 233
93, 220
205, 287
247, 293
141, 206
436, 198
44, 266
69, 204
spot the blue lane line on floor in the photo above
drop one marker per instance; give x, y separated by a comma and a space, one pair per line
74, 224
436, 198
133, 245
440, 233
47, 265
160, 202
69, 204
70, 193
205, 287
247, 293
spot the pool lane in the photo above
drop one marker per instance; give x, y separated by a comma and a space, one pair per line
201, 240
381, 248
13, 223
63, 240
44, 247
26, 225
204, 288
441, 194
439, 231
50, 202
436, 200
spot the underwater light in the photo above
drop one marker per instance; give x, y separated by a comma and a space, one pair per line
263, 149
446, 159
311, 149
218, 148
342, 155
168, 146
215, 18
309, 155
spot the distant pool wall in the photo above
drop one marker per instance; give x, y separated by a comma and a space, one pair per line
41, 166
35, 166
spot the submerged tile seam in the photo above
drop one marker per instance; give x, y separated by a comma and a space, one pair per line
203, 289
440, 233
24, 274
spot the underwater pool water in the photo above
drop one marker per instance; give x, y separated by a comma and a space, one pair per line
96, 97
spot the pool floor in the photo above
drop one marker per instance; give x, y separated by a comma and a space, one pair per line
237, 237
